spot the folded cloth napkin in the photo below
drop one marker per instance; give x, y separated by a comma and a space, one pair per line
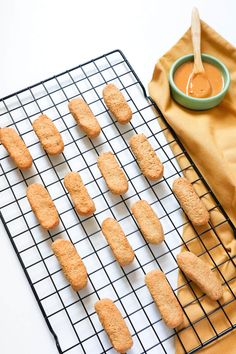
210, 139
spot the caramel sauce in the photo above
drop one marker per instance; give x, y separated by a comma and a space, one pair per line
183, 74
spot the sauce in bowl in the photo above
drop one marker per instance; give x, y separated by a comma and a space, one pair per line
183, 74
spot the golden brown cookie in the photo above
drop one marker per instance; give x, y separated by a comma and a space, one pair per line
164, 297
112, 173
200, 273
84, 117
148, 222
147, 159
16, 148
42, 205
117, 104
190, 202
118, 242
84, 204
48, 135
71, 263
114, 325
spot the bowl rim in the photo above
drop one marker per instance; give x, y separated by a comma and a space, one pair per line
213, 59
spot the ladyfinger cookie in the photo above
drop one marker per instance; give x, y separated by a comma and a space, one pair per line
117, 104
112, 173
71, 263
118, 242
84, 204
148, 222
16, 148
147, 159
84, 117
114, 325
164, 298
48, 135
42, 205
201, 274
190, 202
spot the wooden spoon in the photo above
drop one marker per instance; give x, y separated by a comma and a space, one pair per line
198, 83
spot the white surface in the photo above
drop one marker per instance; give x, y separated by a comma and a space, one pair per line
42, 38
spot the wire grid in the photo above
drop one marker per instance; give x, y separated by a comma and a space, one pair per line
70, 316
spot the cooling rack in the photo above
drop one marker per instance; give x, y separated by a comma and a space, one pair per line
70, 316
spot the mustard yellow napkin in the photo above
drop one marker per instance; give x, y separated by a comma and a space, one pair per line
210, 139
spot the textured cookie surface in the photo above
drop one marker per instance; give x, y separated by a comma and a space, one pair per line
117, 104
43, 206
147, 158
84, 117
118, 242
16, 148
200, 273
190, 202
114, 325
112, 173
48, 135
84, 204
148, 221
164, 298
71, 263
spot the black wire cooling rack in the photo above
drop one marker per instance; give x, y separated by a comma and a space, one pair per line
70, 316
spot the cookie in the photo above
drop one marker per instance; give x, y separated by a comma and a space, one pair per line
190, 202
117, 104
84, 117
49, 136
112, 173
148, 222
147, 159
201, 274
114, 325
16, 148
42, 206
118, 242
71, 263
83, 203
164, 298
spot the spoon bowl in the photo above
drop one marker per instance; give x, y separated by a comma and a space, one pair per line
193, 102
198, 85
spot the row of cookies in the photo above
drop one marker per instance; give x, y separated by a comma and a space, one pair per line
149, 224
75, 271
49, 135
52, 142
166, 301
47, 215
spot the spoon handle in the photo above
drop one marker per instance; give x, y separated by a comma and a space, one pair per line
196, 40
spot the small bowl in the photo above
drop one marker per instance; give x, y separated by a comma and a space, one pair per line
198, 103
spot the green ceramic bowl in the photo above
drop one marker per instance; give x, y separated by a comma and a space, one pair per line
198, 103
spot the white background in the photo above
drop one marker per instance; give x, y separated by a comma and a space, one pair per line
40, 38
